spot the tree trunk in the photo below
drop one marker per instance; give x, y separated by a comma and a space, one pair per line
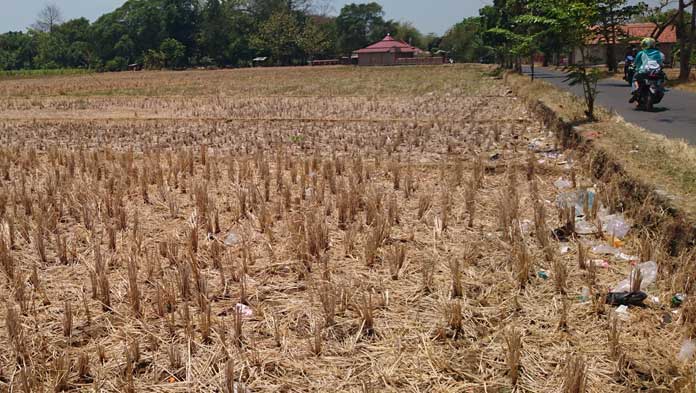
611, 57
684, 45
611, 48
692, 42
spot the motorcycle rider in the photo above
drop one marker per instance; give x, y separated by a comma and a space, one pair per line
628, 61
648, 60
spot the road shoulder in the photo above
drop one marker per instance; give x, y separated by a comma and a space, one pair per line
654, 172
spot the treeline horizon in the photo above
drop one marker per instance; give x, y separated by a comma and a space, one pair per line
175, 34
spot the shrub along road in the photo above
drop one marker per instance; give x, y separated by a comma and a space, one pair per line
675, 116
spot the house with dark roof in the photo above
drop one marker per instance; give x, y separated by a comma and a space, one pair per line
386, 52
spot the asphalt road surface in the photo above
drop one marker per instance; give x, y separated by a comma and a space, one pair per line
674, 117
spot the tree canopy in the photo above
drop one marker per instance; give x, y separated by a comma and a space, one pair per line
181, 33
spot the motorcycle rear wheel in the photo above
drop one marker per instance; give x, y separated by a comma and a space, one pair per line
649, 103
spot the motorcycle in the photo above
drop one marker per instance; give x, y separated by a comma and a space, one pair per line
629, 69
651, 90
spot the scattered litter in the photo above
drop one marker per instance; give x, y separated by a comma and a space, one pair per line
232, 239
243, 309
585, 295
495, 157
542, 274
678, 299
551, 155
585, 228
564, 249
526, 226
626, 257
617, 242
622, 313
563, 233
539, 145
687, 350
648, 272
616, 225
626, 298
240, 388
574, 198
600, 263
566, 199
562, 184
666, 318
604, 249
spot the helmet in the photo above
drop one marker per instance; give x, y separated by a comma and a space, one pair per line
648, 43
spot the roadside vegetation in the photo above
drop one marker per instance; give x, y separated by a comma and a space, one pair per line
668, 165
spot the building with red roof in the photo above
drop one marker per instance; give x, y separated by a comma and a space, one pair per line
386, 52
630, 35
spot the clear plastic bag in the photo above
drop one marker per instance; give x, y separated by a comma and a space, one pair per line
648, 271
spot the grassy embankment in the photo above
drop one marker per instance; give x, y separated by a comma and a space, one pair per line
665, 166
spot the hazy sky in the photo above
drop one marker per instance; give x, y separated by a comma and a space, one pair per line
427, 15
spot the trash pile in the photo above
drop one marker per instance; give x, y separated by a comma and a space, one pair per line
603, 233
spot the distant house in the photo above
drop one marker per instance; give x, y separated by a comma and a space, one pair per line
386, 52
631, 35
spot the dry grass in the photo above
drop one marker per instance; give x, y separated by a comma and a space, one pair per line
373, 254
666, 165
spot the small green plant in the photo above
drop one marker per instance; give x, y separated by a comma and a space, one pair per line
296, 139
580, 74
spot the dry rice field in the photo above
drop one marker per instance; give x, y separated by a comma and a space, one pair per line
314, 230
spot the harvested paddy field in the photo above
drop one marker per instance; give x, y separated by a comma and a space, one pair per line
319, 230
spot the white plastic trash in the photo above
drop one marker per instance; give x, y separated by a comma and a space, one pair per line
243, 309
687, 350
562, 183
648, 272
585, 228
615, 225
622, 313
604, 249
231, 239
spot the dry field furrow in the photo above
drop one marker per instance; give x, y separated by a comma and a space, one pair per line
196, 254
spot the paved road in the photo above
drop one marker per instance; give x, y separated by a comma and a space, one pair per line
675, 116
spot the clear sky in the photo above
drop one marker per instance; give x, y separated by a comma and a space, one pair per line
427, 15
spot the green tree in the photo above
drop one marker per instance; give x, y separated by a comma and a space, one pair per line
75, 35
464, 41
277, 37
407, 32
359, 25
173, 52
154, 60
17, 50
214, 31
315, 39
611, 16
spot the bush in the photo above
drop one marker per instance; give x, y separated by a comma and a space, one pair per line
154, 60
116, 64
